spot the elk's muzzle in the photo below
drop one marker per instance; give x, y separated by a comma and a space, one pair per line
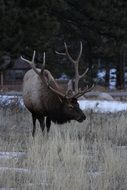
81, 118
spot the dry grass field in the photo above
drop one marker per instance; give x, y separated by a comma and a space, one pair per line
87, 156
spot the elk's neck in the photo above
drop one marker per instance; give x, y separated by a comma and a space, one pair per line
57, 116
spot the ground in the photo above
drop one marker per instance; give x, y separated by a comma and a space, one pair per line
89, 155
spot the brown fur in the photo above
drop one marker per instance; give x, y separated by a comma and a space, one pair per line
42, 102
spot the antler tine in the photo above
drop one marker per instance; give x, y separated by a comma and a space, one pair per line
57, 91
59, 53
32, 64
78, 77
87, 89
82, 75
43, 65
33, 58
67, 53
80, 52
25, 60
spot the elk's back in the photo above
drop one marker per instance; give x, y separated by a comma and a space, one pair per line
34, 92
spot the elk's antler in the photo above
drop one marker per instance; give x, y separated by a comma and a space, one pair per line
47, 74
32, 63
78, 77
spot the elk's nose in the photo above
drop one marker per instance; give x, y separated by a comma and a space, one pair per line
82, 118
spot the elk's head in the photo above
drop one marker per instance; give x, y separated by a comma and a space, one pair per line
72, 111
69, 99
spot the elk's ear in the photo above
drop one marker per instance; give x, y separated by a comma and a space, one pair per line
74, 100
69, 92
46, 77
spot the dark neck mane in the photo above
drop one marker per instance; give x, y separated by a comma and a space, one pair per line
59, 117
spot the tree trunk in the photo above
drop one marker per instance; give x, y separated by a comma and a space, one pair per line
90, 61
120, 80
107, 76
2, 79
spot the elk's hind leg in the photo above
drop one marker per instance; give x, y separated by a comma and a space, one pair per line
48, 123
34, 123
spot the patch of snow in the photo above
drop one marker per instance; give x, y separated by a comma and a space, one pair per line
101, 73
103, 106
95, 174
20, 170
95, 105
104, 96
4, 188
10, 155
6, 100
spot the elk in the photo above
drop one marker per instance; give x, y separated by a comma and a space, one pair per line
44, 98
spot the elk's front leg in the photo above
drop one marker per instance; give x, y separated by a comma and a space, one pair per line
48, 123
34, 124
41, 121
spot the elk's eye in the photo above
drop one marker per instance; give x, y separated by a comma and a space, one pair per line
70, 106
